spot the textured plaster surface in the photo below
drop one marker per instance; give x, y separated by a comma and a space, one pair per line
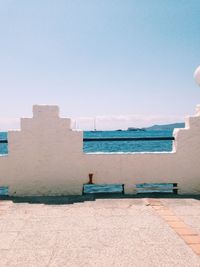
119, 232
46, 158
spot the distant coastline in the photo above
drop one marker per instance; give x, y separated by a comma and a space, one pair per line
136, 129
156, 127
161, 127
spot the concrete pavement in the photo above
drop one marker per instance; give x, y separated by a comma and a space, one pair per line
105, 232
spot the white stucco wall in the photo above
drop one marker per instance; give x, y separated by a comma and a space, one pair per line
46, 158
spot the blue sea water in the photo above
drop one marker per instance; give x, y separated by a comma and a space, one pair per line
117, 146
3, 147
127, 146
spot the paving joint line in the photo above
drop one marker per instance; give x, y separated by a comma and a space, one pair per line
189, 236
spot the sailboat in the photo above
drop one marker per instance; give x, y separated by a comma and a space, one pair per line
95, 126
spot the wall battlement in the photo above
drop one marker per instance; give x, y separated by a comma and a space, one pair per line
46, 158
44, 111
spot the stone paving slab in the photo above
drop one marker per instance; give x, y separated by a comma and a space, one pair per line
117, 232
188, 210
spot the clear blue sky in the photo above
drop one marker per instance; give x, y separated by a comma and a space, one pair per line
99, 57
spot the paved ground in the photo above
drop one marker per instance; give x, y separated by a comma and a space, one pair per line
110, 232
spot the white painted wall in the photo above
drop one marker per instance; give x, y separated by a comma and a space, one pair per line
46, 158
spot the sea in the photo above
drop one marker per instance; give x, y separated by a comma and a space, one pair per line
115, 147
127, 146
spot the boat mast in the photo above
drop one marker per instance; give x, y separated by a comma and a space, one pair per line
95, 124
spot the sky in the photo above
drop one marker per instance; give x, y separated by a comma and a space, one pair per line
121, 63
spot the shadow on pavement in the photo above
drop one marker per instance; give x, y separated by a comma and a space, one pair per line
60, 200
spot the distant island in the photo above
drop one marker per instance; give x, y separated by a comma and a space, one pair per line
166, 126
159, 127
136, 129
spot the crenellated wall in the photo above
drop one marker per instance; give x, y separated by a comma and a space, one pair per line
46, 158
